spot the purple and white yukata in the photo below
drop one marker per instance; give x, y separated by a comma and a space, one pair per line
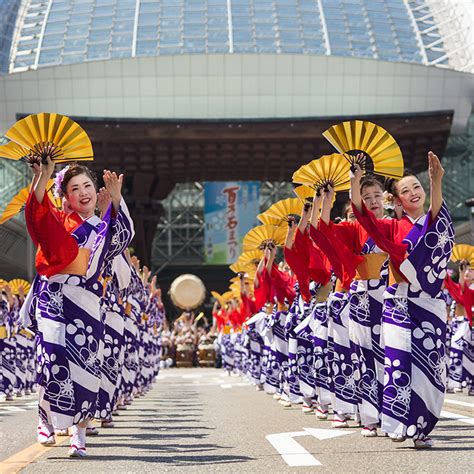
70, 328
7, 349
414, 332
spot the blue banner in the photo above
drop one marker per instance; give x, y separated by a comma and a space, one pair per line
230, 211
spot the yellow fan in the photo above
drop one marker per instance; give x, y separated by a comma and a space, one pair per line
257, 237
265, 219
382, 155
16, 205
285, 208
38, 132
239, 267
18, 202
304, 193
329, 169
228, 296
13, 151
250, 257
218, 297
16, 283
463, 252
3, 283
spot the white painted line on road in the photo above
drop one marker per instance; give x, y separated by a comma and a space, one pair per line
455, 416
292, 452
226, 385
12, 409
458, 402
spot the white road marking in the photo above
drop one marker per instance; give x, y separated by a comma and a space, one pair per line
292, 452
455, 416
458, 402
12, 409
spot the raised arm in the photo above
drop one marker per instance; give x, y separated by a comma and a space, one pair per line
290, 235
356, 197
316, 206
305, 216
46, 171
436, 173
328, 196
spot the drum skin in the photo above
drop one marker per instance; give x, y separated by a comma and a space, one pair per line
187, 291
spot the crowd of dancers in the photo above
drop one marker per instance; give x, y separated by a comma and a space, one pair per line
361, 316
87, 335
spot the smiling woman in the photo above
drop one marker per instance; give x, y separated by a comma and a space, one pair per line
74, 249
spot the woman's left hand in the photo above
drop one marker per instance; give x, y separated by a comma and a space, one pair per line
113, 183
435, 169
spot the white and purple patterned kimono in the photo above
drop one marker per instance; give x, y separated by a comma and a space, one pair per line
117, 274
255, 326
414, 332
70, 327
135, 297
7, 350
341, 378
365, 328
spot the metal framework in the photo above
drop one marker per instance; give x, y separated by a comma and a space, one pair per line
445, 33
179, 235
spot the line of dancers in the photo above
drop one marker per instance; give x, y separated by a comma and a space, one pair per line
95, 315
355, 315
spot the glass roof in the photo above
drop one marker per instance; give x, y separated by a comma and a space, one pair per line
71, 31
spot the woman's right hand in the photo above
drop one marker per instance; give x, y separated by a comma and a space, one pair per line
47, 164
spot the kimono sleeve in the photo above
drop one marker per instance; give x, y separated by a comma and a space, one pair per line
425, 267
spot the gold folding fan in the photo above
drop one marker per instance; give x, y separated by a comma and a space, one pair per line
304, 193
329, 169
16, 205
239, 267
228, 296
381, 153
285, 208
257, 237
218, 297
250, 257
38, 132
18, 202
13, 151
463, 252
265, 219
3, 283
16, 283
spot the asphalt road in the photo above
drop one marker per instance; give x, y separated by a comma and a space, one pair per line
201, 420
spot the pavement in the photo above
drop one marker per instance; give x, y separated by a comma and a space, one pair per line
202, 420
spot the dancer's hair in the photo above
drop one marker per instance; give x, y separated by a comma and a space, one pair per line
391, 183
76, 170
370, 180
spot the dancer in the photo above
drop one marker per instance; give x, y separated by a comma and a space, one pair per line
414, 315
70, 330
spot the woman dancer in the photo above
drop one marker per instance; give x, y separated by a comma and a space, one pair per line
72, 250
414, 314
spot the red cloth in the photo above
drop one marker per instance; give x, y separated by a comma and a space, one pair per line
468, 298
50, 230
297, 265
388, 234
454, 289
262, 293
281, 286
318, 264
343, 263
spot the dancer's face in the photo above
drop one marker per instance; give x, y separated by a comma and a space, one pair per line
373, 199
410, 194
81, 195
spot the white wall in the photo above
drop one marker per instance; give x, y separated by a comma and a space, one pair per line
236, 86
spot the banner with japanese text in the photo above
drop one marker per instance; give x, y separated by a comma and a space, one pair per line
230, 210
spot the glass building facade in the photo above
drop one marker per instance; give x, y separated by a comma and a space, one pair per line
54, 32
